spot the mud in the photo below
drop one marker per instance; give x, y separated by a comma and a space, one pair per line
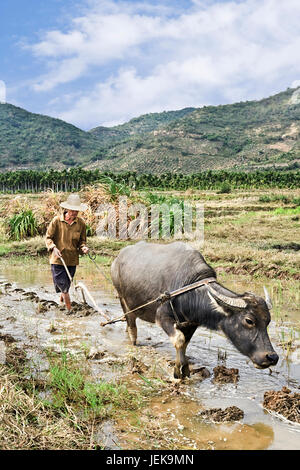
136, 366
201, 373
7, 338
81, 310
272, 271
15, 357
286, 246
78, 309
283, 402
217, 415
224, 375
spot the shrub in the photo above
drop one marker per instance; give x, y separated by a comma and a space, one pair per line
225, 188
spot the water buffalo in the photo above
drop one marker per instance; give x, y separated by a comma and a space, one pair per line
143, 271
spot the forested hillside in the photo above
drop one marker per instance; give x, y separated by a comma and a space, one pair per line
247, 135
242, 136
30, 140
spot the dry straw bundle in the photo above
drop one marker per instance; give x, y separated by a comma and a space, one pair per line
43, 208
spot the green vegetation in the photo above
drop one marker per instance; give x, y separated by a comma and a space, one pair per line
121, 183
225, 188
139, 126
285, 211
22, 225
61, 410
238, 226
242, 136
247, 135
114, 188
32, 140
70, 386
284, 198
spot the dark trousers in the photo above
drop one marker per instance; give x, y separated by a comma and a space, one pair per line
60, 277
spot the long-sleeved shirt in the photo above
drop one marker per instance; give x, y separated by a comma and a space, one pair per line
68, 238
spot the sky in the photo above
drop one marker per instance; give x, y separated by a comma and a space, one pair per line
104, 62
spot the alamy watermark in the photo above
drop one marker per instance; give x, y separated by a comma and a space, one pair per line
2, 92
125, 221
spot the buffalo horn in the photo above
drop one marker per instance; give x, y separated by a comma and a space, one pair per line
235, 302
268, 299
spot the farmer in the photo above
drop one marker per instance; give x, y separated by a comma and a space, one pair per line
66, 239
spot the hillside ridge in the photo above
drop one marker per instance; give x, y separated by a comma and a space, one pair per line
246, 135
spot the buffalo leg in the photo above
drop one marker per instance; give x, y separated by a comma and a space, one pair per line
131, 322
180, 338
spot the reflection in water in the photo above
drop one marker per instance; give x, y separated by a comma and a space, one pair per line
182, 414
238, 436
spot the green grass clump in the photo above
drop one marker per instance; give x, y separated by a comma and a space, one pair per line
225, 188
283, 211
285, 199
71, 388
22, 225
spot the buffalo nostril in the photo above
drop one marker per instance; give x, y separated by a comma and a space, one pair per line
273, 358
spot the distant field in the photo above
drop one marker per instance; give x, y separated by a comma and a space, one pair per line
245, 231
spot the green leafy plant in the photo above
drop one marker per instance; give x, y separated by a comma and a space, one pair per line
22, 225
115, 189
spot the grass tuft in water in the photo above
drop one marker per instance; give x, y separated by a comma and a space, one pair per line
70, 387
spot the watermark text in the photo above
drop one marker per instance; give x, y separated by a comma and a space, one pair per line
137, 221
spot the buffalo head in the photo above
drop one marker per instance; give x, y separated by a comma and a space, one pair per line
244, 321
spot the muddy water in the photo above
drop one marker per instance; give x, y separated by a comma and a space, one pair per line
38, 329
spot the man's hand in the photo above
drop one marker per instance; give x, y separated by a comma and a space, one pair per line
85, 250
57, 252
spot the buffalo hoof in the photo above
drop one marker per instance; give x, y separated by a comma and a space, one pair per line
180, 372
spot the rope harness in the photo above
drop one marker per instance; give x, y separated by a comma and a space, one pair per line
162, 298
166, 297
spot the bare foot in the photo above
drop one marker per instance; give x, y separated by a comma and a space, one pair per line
67, 300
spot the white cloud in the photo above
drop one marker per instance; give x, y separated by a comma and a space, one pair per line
63, 72
95, 40
171, 86
146, 57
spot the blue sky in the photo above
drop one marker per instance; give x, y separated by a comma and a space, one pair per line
103, 62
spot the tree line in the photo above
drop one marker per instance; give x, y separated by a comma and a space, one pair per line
74, 179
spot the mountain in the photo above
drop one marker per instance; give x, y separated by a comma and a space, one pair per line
246, 135
140, 125
30, 140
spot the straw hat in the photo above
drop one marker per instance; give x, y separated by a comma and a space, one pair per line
74, 204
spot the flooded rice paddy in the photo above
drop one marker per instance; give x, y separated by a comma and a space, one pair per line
38, 326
